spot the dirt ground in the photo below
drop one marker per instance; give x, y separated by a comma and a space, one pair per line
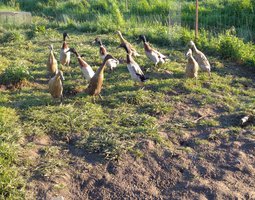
200, 164
219, 169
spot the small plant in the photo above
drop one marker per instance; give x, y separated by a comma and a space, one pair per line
36, 30
14, 75
11, 36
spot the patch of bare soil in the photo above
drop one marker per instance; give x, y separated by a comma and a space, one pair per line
221, 169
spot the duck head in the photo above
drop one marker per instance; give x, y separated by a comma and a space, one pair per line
107, 57
73, 50
189, 53
141, 38
51, 47
65, 35
191, 44
97, 41
60, 74
124, 46
118, 33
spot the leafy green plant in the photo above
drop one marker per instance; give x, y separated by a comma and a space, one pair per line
14, 75
11, 36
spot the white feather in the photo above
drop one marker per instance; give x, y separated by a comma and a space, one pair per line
155, 56
65, 56
134, 69
112, 63
87, 72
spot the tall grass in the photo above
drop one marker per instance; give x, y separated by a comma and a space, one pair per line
214, 15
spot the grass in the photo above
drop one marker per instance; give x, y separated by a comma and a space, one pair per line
117, 124
127, 116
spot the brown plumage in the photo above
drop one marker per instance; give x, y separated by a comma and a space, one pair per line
96, 82
56, 85
102, 49
52, 63
111, 63
192, 66
65, 55
132, 49
200, 57
155, 56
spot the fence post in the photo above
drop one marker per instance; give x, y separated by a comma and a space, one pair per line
196, 24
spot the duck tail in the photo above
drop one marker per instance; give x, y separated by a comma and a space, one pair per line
142, 77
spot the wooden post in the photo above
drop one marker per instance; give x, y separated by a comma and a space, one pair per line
196, 25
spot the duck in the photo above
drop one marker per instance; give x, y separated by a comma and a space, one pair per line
56, 85
111, 63
191, 66
132, 49
155, 56
200, 58
65, 56
134, 69
95, 85
52, 63
86, 69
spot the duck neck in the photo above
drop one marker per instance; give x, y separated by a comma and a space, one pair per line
101, 68
194, 48
64, 46
100, 43
146, 46
129, 59
121, 38
191, 59
51, 53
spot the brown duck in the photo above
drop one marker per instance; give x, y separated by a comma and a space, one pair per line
56, 85
96, 82
52, 63
129, 46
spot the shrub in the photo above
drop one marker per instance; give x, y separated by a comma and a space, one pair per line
14, 75
234, 48
36, 30
11, 36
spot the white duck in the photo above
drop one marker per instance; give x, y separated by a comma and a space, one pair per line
134, 69
86, 69
155, 56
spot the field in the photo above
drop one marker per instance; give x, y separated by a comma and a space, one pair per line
171, 140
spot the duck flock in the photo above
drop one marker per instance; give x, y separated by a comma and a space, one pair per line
195, 59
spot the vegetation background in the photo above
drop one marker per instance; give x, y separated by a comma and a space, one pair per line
40, 140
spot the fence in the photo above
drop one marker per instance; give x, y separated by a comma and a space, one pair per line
15, 18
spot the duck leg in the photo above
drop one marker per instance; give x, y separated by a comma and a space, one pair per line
210, 75
61, 100
142, 85
93, 99
100, 96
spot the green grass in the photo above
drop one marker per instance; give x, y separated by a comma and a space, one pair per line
127, 116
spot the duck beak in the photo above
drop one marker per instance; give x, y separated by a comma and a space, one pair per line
62, 77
